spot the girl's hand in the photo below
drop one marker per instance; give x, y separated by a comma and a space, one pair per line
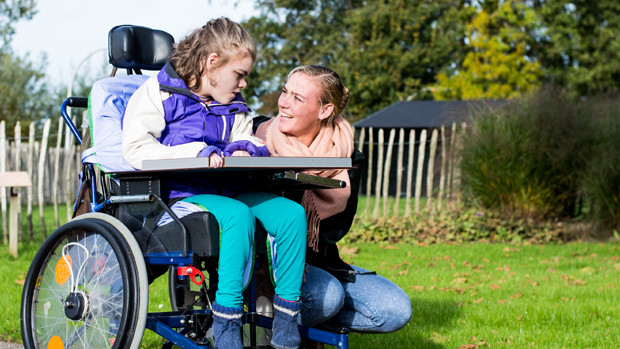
215, 160
240, 153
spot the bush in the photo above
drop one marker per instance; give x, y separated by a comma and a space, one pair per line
546, 156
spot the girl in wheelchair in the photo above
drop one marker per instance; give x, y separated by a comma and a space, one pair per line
193, 108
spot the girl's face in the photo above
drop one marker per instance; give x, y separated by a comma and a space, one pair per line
300, 110
229, 79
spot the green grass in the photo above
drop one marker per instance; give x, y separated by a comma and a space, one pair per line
555, 296
402, 204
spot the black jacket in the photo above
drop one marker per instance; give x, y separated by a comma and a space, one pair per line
334, 228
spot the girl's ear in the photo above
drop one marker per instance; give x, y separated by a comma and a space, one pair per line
326, 111
212, 60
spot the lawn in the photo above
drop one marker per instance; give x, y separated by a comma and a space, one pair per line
489, 295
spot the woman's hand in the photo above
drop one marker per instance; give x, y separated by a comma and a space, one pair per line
240, 153
215, 160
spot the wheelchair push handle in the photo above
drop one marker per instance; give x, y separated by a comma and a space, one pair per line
76, 102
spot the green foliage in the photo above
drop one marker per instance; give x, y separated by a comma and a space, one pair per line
24, 95
579, 44
546, 156
465, 224
385, 51
497, 65
10, 12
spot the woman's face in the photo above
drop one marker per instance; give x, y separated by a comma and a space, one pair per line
229, 79
300, 109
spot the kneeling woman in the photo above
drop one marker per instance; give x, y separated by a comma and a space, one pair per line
334, 293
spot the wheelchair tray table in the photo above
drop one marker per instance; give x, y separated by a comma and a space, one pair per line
259, 173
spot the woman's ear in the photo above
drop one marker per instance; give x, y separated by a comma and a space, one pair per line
326, 111
212, 60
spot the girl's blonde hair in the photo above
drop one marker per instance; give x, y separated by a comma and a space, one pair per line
221, 36
332, 89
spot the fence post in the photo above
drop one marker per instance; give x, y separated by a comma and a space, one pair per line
3, 189
456, 181
409, 172
399, 170
375, 212
371, 148
360, 147
450, 164
29, 190
418, 176
42, 154
56, 180
430, 175
386, 172
68, 169
18, 168
442, 176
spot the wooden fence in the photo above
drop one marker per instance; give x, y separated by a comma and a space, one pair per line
52, 167
429, 167
53, 164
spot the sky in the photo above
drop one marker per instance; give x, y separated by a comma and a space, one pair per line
69, 30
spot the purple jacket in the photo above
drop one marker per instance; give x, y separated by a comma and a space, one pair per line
188, 119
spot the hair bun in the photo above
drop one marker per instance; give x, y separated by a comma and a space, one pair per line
345, 98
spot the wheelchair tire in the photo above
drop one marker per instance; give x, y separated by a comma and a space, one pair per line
99, 307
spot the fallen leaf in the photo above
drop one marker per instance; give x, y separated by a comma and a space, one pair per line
534, 284
511, 274
505, 268
518, 295
551, 270
486, 260
404, 272
453, 267
430, 265
478, 300
20, 282
391, 247
495, 287
468, 346
347, 251
508, 249
408, 253
447, 258
579, 282
502, 301
417, 288
459, 281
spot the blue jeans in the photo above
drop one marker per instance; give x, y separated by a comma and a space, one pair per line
372, 304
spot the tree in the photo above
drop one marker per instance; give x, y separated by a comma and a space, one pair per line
10, 12
23, 93
498, 64
385, 51
579, 44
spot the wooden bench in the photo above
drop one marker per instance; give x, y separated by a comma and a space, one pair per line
14, 180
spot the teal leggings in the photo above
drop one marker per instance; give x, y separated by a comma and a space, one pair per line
285, 222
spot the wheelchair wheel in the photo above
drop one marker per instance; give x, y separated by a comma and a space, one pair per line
83, 288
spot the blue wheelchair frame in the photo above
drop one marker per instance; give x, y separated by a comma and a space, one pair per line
165, 323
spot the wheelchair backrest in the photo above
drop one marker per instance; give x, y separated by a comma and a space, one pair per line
132, 48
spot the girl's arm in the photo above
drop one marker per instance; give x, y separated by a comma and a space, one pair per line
241, 138
144, 123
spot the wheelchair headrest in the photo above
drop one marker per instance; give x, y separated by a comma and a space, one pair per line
135, 47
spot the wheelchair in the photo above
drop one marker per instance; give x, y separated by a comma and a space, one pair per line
88, 285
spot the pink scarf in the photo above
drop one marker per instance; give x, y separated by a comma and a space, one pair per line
335, 140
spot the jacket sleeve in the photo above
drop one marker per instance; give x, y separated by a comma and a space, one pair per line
143, 125
334, 228
242, 138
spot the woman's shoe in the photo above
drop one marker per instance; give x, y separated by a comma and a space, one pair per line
227, 327
285, 330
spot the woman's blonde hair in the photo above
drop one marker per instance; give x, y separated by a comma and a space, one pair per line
221, 36
332, 89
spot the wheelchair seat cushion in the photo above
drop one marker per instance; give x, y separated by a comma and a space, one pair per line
106, 105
